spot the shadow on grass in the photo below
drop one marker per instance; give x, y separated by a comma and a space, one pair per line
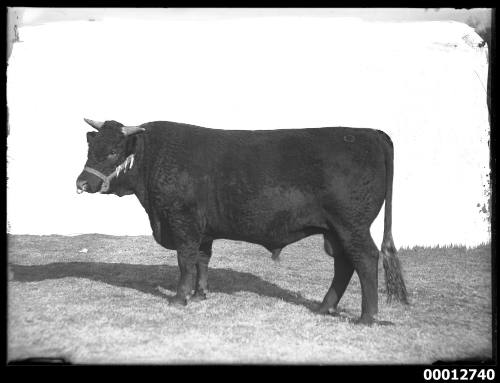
148, 278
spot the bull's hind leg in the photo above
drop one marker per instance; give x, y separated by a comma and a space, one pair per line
342, 275
363, 253
202, 271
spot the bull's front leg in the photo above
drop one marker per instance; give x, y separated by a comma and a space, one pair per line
187, 256
202, 269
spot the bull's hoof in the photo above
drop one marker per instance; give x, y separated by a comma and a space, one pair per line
178, 301
366, 320
384, 323
198, 297
327, 311
322, 310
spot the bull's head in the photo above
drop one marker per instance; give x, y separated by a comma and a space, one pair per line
110, 157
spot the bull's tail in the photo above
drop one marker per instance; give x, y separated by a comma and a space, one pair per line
395, 285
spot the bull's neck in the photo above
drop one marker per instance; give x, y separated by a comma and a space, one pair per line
139, 183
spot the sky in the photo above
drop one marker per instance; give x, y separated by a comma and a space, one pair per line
422, 82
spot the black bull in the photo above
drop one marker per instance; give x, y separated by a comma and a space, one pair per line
270, 188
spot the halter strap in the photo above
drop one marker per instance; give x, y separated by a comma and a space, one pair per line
95, 172
127, 164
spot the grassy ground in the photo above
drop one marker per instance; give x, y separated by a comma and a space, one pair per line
109, 305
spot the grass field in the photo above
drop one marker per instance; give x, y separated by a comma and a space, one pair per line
110, 305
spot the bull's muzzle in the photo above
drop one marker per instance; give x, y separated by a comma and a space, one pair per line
81, 186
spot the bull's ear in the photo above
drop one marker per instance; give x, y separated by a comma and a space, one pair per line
131, 130
95, 124
90, 136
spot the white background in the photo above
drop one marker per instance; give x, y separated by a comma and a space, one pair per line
423, 83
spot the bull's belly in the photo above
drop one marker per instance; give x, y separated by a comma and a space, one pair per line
271, 242
270, 228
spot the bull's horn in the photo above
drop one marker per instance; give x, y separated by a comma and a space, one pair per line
95, 124
129, 130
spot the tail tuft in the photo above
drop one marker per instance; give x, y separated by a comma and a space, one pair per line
394, 282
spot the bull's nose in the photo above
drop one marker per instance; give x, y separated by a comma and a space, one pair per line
81, 186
